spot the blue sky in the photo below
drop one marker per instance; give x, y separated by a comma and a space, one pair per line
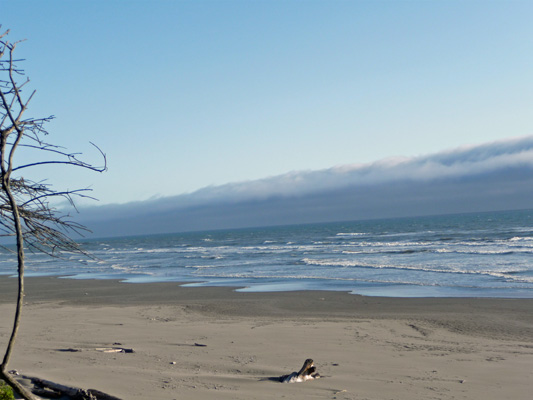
182, 95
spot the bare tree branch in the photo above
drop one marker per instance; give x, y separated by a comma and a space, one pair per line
25, 209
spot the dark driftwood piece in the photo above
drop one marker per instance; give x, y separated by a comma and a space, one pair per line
50, 389
307, 372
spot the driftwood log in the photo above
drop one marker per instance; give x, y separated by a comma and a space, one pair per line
51, 389
102, 349
307, 372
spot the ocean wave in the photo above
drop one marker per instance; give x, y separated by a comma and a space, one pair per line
510, 274
441, 250
521, 239
481, 252
199, 267
163, 250
377, 252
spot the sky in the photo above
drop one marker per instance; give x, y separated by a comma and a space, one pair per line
187, 96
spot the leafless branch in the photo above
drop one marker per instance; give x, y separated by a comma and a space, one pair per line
25, 209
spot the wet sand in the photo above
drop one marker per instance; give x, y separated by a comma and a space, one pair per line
215, 343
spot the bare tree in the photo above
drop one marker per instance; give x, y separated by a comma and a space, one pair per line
27, 212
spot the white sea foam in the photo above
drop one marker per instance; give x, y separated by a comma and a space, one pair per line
528, 240
502, 273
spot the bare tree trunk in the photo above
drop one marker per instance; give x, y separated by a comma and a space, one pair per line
24, 209
26, 394
4, 374
6, 166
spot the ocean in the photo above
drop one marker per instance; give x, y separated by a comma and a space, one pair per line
467, 255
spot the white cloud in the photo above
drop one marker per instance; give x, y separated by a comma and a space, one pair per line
462, 162
496, 175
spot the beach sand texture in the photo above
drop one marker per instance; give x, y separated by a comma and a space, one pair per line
364, 347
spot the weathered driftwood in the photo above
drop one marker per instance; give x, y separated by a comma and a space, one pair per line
15, 385
50, 389
98, 395
307, 372
115, 350
102, 349
47, 393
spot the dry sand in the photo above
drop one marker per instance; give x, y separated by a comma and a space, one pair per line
365, 347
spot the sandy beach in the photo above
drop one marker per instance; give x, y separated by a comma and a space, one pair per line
215, 343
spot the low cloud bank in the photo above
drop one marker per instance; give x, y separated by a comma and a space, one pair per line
493, 176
